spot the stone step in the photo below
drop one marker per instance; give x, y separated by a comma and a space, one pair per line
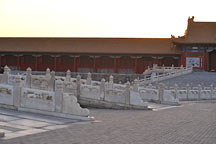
87, 102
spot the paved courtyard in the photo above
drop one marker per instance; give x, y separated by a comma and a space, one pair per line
195, 78
193, 122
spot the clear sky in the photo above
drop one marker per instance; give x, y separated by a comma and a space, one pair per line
101, 18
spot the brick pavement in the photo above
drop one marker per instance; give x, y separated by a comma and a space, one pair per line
195, 78
194, 123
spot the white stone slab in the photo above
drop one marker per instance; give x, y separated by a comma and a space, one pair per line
63, 115
53, 127
7, 118
30, 123
23, 133
38, 117
14, 125
5, 131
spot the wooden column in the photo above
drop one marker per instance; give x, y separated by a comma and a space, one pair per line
136, 65
0, 61
115, 65
39, 64
18, 62
179, 61
95, 64
55, 63
36, 63
183, 59
4, 59
205, 61
157, 60
74, 65
21, 64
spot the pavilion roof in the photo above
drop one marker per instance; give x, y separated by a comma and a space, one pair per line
198, 33
88, 45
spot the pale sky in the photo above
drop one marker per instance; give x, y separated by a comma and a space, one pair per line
101, 18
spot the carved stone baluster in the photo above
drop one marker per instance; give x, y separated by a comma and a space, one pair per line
78, 83
89, 79
127, 93
212, 90
5, 75
58, 95
102, 90
161, 92
135, 85
199, 91
28, 77
176, 91
188, 91
68, 76
111, 82
47, 75
17, 91
51, 85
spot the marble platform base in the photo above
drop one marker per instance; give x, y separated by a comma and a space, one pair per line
7, 106
56, 114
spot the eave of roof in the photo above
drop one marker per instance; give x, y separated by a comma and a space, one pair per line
87, 45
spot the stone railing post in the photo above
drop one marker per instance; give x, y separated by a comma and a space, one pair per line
17, 91
51, 85
163, 68
59, 95
135, 85
68, 76
127, 93
102, 90
111, 82
172, 68
5, 75
188, 90
199, 91
78, 83
182, 69
176, 91
168, 85
153, 75
28, 77
47, 75
212, 90
89, 79
154, 67
161, 92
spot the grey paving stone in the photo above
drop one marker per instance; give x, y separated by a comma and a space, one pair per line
195, 78
193, 123
13, 114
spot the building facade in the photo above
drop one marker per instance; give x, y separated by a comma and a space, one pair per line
113, 55
198, 45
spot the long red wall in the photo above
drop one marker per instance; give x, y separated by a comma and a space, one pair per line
58, 63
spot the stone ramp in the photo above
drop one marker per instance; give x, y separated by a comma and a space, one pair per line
195, 78
87, 102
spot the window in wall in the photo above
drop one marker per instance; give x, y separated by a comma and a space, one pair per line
46, 60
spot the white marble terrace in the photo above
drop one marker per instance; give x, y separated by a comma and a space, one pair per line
58, 95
